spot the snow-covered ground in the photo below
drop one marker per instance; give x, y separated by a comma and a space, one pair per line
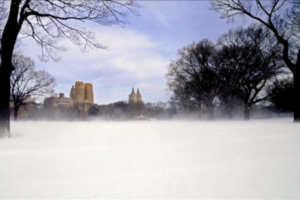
256, 159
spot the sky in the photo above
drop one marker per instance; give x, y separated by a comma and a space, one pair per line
137, 56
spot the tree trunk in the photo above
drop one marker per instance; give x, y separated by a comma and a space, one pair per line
229, 108
297, 90
16, 113
211, 111
247, 109
4, 100
9, 37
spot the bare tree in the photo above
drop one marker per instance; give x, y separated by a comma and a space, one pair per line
26, 81
191, 77
49, 21
247, 60
180, 91
238, 67
273, 16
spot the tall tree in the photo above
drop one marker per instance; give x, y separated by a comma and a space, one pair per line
47, 22
273, 16
247, 60
192, 76
25, 81
180, 90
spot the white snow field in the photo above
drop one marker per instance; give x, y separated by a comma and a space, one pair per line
219, 159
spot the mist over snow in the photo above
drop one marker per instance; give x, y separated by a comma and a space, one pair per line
96, 145
230, 159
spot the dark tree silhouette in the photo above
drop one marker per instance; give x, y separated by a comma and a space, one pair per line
272, 15
191, 77
181, 96
281, 95
26, 81
180, 90
236, 69
47, 22
247, 60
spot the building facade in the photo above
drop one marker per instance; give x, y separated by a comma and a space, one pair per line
81, 97
135, 97
82, 93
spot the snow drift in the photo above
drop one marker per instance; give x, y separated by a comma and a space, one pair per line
256, 159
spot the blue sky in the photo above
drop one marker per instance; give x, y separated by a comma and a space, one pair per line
138, 55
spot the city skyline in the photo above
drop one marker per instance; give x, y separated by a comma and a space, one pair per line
136, 56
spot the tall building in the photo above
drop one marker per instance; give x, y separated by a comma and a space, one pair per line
81, 97
88, 92
132, 97
135, 97
138, 96
82, 93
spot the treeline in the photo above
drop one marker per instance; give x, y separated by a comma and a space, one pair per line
242, 70
118, 111
123, 110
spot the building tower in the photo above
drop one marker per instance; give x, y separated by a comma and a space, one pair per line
79, 92
72, 93
138, 96
88, 91
82, 92
132, 97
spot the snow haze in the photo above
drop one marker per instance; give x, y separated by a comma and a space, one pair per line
232, 159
